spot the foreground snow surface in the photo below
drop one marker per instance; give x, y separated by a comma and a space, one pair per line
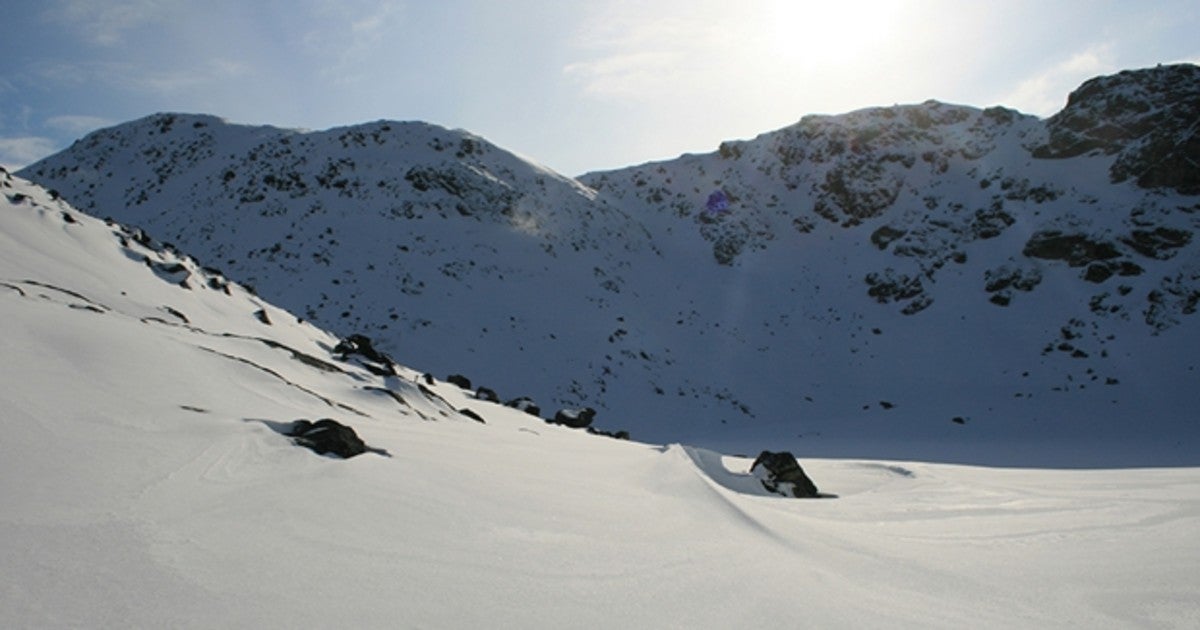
144, 483
175, 520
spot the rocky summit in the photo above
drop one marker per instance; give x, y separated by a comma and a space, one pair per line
924, 272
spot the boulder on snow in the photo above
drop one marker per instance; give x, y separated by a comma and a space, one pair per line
373, 360
616, 435
327, 437
781, 473
526, 404
488, 394
459, 380
574, 418
472, 415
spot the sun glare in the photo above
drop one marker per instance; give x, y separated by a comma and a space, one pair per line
827, 33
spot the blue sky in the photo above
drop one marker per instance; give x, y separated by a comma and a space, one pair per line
575, 85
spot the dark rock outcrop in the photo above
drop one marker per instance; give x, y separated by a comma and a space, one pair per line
1146, 117
1159, 243
526, 404
472, 415
574, 418
327, 437
488, 394
616, 435
459, 380
883, 236
781, 473
1077, 250
373, 360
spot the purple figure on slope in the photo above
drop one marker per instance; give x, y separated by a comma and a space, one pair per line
718, 203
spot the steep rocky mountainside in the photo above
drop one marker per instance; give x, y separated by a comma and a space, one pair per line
921, 271
1149, 119
930, 180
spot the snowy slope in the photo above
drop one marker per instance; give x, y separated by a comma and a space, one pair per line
450, 251
912, 281
145, 485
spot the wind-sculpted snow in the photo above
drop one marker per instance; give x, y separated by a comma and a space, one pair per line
885, 271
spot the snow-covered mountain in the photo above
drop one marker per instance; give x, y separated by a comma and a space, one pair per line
910, 281
146, 483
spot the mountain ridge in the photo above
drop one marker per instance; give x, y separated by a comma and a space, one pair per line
863, 265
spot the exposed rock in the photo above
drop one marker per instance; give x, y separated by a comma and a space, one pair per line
857, 189
472, 415
574, 418
1097, 272
616, 435
781, 473
173, 272
1002, 280
1175, 297
883, 236
525, 404
373, 360
484, 393
1159, 243
1147, 117
891, 286
459, 380
327, 437
990, 223
1076, 249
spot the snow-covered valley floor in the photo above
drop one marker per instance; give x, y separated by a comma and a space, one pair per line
173, 518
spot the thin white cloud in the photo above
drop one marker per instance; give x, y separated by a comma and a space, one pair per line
351, 36
139, 79
16, 120
1045, 92
16, 153
630, 55
78, 124
629, 75
638, 50
176, 81
107, 23
375, 21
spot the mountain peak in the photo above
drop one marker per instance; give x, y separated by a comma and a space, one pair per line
1138, 90
1147, 118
